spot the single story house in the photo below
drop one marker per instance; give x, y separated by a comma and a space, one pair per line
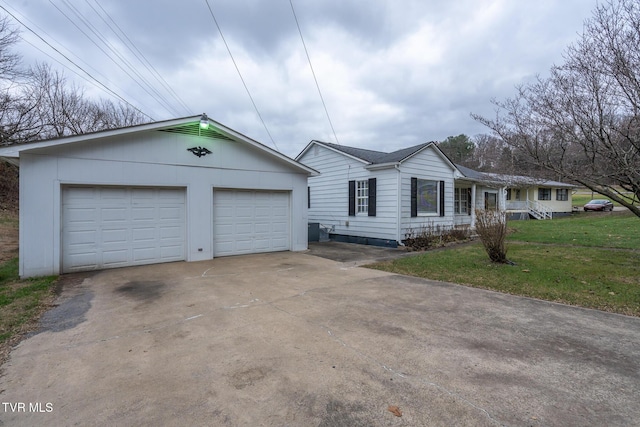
373, 197
521, 197
187, 189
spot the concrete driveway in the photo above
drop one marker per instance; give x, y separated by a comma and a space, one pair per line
294, 339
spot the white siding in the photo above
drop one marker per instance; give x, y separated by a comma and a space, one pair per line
427, 164
330, 195
154, 159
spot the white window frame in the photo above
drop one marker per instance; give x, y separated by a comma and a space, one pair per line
362, 197
565, 194
461, 201
546, 191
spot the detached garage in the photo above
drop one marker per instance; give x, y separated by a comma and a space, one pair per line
181, 190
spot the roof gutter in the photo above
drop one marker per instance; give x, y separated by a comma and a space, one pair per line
378, 166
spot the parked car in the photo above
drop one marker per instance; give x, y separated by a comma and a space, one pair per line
599, 205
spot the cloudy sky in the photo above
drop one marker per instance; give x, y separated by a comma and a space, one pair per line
393, 73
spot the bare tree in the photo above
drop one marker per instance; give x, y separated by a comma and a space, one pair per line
9, 61
583, 121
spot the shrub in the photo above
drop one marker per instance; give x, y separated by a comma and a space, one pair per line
491, 226
430, 235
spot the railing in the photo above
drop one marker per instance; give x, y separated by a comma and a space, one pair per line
517, 205
539, 210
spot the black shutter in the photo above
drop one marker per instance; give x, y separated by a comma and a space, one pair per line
308, 197
441, 198
372, 197
352, 198
414, 196
469, 201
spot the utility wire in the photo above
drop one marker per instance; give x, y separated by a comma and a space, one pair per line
139, 54
76, 65
149, 90
240, 74
313, 72
101, 37
82, 76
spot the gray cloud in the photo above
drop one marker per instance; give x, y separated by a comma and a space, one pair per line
393, 73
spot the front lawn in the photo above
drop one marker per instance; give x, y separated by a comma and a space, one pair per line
599, 229
590, 261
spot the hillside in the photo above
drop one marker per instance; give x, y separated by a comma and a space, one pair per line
9, 185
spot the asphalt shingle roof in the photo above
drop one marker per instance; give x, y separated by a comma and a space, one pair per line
512, 180
378, 157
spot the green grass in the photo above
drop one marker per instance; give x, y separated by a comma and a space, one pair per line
600, 229
582, 199
21, 301
590, 261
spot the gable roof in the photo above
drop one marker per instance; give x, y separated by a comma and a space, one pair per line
509, 180
373, 157
185, 126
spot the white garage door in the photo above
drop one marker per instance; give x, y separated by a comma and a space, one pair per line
106, 227
250, 221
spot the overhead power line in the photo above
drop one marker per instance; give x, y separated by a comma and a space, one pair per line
138, 54
240, 74
119, 60
89, 75
313, 72
71, 53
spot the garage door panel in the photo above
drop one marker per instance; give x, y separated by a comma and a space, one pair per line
170, 213
280, 244
171, 252
115, 236
171, 232
114, 214
259, 223
279, 227
81, 195
81, 237
113, 194
243, 228
262, 228
118, 256
143, 234
107, 227
145, 254
244, 212
80, 216
84, 260
143, 213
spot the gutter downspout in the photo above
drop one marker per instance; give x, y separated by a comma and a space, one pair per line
398, 204
473, 207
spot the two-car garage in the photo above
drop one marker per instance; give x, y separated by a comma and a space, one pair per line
177, 190
109, 226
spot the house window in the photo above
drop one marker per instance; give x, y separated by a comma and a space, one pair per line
362, 196
427, 196
517, 194
544, 194
490, 201
461, 200
508, 194
562, 194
